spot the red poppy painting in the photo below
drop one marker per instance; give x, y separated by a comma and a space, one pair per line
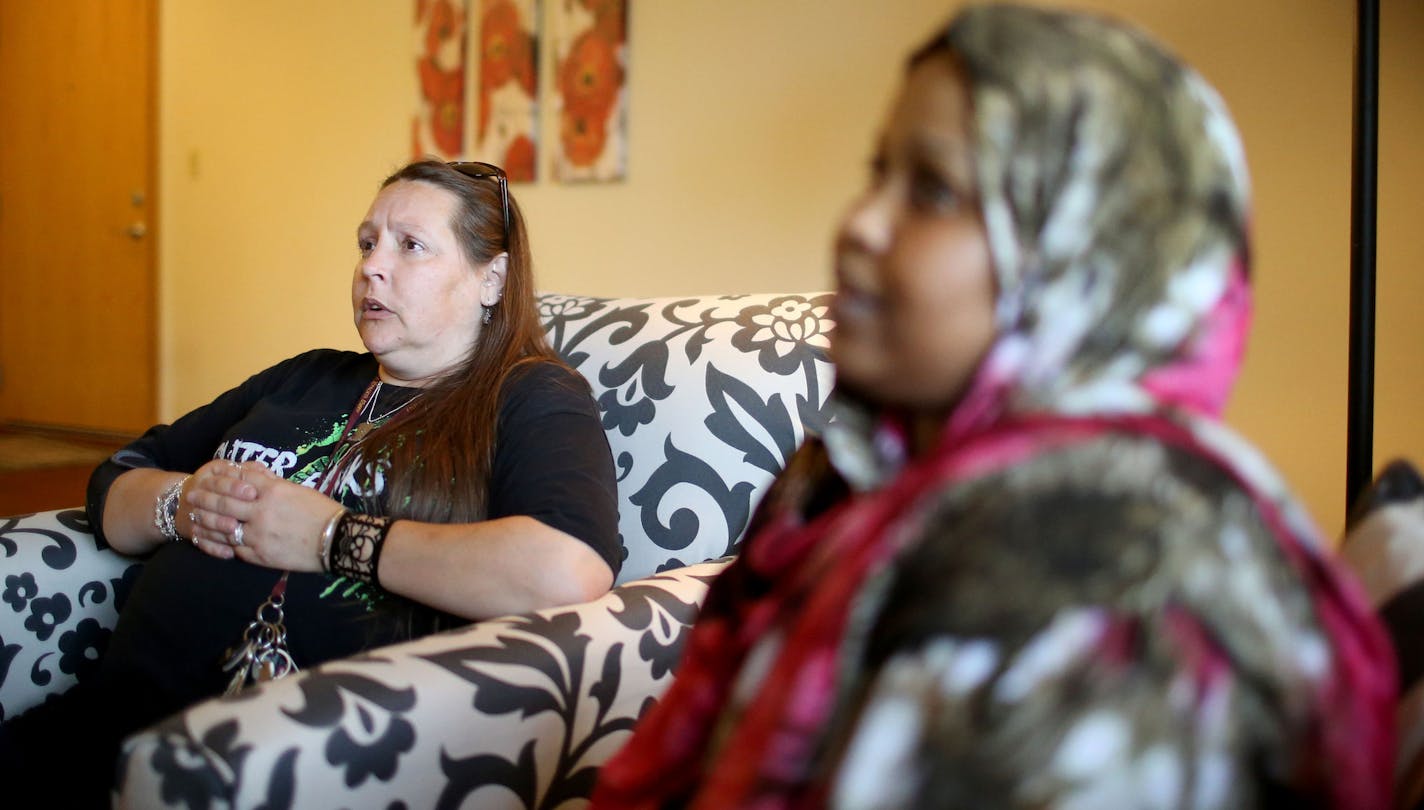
507, 114
591, 47
438, 126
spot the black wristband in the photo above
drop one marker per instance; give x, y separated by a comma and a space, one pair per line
356, 549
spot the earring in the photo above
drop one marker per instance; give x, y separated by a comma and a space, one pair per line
489, 313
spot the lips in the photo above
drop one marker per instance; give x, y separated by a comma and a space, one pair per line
853, 301
374, 308
851, 307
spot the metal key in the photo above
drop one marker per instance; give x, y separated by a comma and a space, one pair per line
262, 654
273, 664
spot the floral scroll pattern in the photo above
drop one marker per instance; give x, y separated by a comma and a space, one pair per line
59, 599
509, 713
696, 433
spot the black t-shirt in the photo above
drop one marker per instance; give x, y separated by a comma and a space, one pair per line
551, 462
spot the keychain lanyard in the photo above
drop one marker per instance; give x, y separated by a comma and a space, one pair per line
336, 470
262, 653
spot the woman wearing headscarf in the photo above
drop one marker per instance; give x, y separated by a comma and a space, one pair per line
1028, 566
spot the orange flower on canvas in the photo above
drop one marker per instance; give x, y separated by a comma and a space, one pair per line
608, 18
444, 26
444, 91
591, 41
518, 160
591, 76
583, 137
505, 48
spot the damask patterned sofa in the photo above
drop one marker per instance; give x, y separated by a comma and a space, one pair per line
703, 400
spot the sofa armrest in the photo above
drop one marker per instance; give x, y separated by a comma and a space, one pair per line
518, 711
60, 594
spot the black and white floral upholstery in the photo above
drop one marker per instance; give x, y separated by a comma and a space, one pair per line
703, 400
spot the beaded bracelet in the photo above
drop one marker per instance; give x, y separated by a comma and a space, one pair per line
165, 510
356, 549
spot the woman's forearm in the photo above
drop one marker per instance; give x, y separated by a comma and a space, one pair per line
128, 510
494, 568
475, 570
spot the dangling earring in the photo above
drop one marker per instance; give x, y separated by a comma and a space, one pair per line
489, 313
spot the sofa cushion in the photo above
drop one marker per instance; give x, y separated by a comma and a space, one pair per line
703, 400
60, 594
1384, 544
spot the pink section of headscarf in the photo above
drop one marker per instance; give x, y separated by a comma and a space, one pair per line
1201, 377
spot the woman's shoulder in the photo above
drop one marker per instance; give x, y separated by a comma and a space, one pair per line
317, 366
331, 361
1104, 522
1121, 551
546, 385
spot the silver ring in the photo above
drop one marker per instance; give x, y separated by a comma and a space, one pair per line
193, 518
234, 465
237, 534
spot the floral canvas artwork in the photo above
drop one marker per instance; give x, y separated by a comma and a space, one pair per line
438, 126
591, 49
506, 127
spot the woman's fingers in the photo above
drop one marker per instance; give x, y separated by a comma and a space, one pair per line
218, 501
222, 551
248, 512
210, 541
233, 479
213, 524
227, 489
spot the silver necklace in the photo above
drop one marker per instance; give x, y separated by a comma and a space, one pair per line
380, 385
373, 418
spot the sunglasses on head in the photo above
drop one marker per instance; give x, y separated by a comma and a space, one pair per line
477, 170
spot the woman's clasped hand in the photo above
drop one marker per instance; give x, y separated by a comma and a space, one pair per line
248, 512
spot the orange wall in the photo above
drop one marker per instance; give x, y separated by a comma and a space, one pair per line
750, 123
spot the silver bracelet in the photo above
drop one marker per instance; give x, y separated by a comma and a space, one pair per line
165, 510
324, 555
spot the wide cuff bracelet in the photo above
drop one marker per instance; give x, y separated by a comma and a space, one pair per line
356, 548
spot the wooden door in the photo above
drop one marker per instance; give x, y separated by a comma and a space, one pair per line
78, 319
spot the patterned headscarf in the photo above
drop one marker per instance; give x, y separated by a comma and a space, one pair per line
1114, 196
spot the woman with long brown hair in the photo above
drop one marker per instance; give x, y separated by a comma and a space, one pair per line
454, 471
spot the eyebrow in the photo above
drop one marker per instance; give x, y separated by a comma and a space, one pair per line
398, 227
954, 155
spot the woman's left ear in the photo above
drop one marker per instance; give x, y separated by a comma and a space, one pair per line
492, 288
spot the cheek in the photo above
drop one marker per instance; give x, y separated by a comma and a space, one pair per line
460, 298
943, 294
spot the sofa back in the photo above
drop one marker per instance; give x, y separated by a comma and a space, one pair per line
703, 399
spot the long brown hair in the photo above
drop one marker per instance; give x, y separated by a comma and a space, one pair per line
441, 451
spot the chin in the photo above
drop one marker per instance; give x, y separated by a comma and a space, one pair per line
866, 388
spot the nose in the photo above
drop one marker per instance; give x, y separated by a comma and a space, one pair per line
375, 264
869, 223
